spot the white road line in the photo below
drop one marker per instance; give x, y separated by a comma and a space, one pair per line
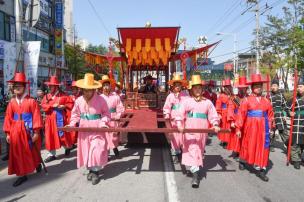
169, 177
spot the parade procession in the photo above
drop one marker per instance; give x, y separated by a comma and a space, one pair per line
149, 114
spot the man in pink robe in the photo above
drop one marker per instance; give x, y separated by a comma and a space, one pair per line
91, 110
170, 110
116, 109
197, 112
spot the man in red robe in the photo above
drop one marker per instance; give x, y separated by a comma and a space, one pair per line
255, 121
22, 125
239, 94
222, 110
209, 92
76, 93
56, 104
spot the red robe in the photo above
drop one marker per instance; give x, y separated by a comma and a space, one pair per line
74, 134
222, 109
255, 129
235, 142
54, 139
210, 96
24, 155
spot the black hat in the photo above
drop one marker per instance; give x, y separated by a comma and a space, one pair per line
275, 81
301, 81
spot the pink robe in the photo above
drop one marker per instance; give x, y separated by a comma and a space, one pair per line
170, 110
194, 144
116, 109
92, 147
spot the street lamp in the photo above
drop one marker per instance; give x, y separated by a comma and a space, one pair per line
234, 48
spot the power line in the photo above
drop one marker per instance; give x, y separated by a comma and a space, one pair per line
228, 12
229, 53
99, 17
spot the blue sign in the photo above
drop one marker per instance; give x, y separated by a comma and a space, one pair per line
58, 15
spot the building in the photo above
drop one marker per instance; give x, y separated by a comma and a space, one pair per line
7, 38
83, 43
247, 62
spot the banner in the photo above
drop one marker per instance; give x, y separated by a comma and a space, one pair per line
58, 14
10, 54
58, 42
31, 59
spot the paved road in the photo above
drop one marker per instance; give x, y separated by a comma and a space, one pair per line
147, 174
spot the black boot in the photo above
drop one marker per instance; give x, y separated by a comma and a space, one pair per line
297, 165
39, 168
116, 152
177, 158
95, 177
195, 180
262, 175
5, 158
242, 166
67, 152
49, 159
89, 176
20, 181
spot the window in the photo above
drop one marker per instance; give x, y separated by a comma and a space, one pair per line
2, 32
5, 26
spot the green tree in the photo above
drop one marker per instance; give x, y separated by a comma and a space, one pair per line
74, 58
282, 40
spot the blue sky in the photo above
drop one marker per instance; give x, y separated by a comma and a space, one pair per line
196, 18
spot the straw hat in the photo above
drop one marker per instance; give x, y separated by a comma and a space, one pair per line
189, 85
19, 77
196, 80
105, 78
177, 79
88, 82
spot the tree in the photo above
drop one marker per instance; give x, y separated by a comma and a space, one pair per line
282, 41
74, 58
99, 49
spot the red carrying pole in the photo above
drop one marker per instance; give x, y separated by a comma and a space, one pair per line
293, 110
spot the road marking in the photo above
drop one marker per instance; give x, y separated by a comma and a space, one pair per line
169, 177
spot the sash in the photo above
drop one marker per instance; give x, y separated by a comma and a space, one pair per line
261, 114
59, 120
28, 124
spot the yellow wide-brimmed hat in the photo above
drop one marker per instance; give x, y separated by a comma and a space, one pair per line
105, 78
189, 85
88, 82
196, 80
177, 79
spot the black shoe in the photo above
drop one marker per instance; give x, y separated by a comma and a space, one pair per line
297, 165
242, 166
5, 158
74, 147
89, 176
19, 181
39, 168
116, 152
262, 175
195, 180
225, 145
95, 177
49, 159
67, 152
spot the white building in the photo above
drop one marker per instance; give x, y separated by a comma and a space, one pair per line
83, 43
